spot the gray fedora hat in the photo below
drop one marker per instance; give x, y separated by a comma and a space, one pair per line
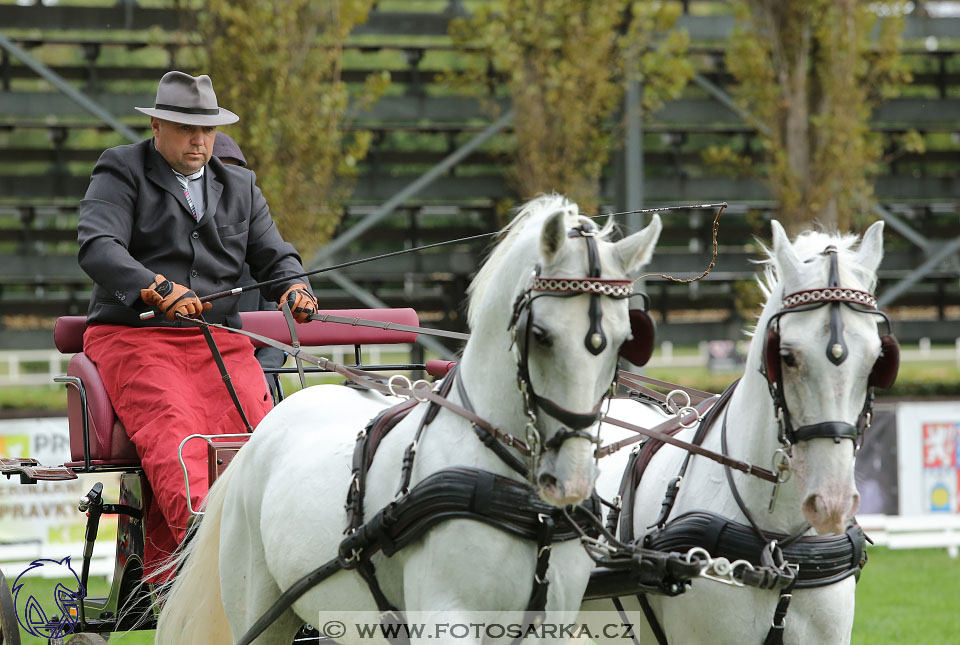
182, 98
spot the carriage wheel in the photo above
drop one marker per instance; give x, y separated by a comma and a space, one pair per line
87, 639
9, 629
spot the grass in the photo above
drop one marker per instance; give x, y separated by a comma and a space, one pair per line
903, 597
35, 397
98, 587
908, 597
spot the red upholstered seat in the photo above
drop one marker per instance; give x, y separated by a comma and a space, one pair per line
108, 438
109, 444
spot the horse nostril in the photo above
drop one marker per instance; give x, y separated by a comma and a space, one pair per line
547, 480
854, 504
813, 506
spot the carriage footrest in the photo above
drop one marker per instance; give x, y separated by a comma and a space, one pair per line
31, 471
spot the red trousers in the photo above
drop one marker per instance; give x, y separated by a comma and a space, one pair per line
164, 385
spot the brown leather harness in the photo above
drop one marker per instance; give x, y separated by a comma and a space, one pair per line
775, 561
463, 492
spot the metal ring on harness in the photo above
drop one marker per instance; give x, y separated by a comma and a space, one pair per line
420, 384
674, 407
406, 383
688, 410
782, 465
718, 569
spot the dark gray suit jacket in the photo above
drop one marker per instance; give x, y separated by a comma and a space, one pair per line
135, 223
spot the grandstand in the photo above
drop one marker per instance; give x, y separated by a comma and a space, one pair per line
111, 54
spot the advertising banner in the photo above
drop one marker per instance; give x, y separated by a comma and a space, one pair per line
929, 467
42, 520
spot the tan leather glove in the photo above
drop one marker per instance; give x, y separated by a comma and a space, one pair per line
302, 303
172, 298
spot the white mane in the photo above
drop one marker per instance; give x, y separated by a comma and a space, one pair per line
533, 212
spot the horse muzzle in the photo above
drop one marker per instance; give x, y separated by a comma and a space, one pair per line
567, 473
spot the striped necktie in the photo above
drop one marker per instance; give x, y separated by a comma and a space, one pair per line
194, 198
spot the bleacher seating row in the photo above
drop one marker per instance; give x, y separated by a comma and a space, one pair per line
50, 144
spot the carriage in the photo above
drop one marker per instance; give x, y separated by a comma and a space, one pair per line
559, 540
99, 444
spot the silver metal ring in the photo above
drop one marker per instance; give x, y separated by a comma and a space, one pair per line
406, 383
674, 407
688, 410
420, 384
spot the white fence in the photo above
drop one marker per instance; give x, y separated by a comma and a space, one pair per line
47, 363
16, 558
39, 366
935, 530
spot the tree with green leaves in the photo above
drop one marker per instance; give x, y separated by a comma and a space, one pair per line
277, 65
812, 71
565, 64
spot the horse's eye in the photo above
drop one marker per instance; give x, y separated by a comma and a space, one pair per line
542, 336
788, 357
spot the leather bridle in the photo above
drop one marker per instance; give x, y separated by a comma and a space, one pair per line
882, 375
521, 324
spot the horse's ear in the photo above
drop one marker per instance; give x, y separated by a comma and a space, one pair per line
553, 236
871, 247
636, 250
787, 258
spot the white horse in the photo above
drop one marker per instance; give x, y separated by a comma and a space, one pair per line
278, 511
824, 374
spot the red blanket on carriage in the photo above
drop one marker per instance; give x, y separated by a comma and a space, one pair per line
164, 386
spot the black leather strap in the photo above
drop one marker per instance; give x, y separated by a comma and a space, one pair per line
652, 620
779, 623
623, 617
820, 560
537, 603
500, 450
208, 336
835, 430
294, 340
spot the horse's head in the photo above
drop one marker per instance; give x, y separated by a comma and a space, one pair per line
568, 317
822, 357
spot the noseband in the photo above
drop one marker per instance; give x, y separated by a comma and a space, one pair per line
883, 373
521, 324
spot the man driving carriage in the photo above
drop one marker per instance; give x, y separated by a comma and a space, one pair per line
161, 222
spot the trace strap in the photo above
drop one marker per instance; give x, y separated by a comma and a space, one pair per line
420, 393
658, 433
379, 324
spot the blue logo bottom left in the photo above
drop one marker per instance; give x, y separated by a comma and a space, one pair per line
38, 613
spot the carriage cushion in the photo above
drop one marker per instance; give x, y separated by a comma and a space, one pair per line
108, 438
318, 333
68, 332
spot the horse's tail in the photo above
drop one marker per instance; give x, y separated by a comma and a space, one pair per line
192, 608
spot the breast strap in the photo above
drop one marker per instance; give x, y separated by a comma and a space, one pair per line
822, 560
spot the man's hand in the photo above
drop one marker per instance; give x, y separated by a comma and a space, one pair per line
172, 299
302, 304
